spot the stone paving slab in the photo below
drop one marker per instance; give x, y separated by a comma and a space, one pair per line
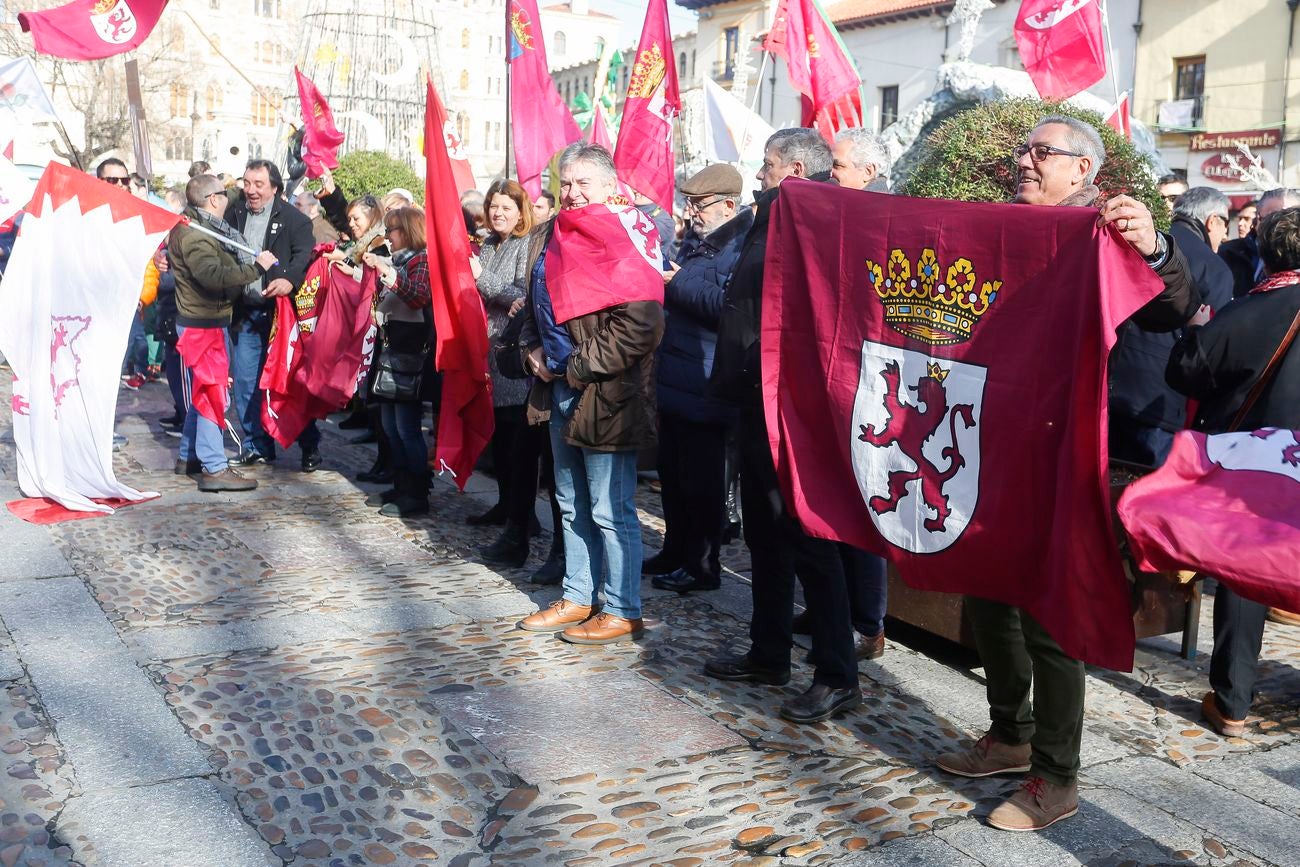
29, 554
109, 719
1245, 824
185, 823
562, 727
1271, 777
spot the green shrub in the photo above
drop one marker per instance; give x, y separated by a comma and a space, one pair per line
375, 173
968, 156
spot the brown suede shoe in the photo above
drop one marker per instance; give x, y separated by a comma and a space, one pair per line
1229, 728
1035, 805
226, 480
869, 646
985, 758
603, 629
1282, 616
560, 615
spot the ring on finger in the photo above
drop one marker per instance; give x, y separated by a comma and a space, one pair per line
1124, 224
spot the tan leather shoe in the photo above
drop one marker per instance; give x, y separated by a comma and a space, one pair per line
603, 629
1035, 805
869, 646
985, 758
559, 615
1229, 728
1282, 616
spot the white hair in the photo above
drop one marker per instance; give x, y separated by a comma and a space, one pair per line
868, 149
593, 155
1083, 139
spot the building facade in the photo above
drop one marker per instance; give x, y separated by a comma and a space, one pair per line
1214, 78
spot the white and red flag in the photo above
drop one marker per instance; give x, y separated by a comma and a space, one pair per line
65, 329
1119, 119
1061, 45
644, 157
601, 256
92, 29
15, 190
1224, 505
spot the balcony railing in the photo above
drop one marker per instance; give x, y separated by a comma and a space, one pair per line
1181, 113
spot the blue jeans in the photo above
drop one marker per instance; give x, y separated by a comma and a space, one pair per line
247, 357
200, 437
401, 421
136, 359
602, 534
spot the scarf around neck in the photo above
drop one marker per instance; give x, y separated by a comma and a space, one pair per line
1276, 281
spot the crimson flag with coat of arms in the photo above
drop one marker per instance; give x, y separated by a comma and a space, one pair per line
935, 390
92, 29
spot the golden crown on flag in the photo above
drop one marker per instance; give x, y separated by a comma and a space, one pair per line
103, 6
650, 69
921, 304
519, 26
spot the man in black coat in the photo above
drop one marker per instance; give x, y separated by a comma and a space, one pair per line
1242, 254
692, 425
1218, 364
778, 546
1145, 412
268, 223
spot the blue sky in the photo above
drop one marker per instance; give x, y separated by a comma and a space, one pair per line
632, 12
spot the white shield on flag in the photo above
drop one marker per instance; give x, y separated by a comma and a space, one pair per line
114, 21
1268, 450
915, 445
1052, 17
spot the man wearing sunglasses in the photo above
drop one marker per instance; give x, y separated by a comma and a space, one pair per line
1035, 691
113, 171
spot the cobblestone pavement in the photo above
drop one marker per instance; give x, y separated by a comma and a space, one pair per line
286, 677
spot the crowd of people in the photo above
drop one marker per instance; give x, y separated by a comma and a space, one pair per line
578, 403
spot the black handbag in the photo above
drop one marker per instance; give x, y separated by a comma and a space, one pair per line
400, 374
509, 355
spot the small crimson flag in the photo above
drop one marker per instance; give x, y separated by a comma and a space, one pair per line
321, 138
1061, 45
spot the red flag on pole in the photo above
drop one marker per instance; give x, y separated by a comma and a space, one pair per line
465, 422
938, 396
1224, 505
819, 66
1061, 45
1119, 118
321, 138
540, 123
92, 29
644, 157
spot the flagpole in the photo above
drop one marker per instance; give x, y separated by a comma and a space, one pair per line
220, 237
744, 130
1110, 50
509, 65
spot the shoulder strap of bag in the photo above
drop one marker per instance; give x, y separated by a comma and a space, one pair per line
1269, 369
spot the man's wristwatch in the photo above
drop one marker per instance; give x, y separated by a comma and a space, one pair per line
1157, 258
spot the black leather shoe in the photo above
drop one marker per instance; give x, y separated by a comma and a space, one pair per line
356, 421
659, 564
552, 571
378, 474
820, 702
248, 459
495, 516
310, 461
683, 582
510, 550
741, 668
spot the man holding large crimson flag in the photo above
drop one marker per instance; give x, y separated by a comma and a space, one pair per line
962, 435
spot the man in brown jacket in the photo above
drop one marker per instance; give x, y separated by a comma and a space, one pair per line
599, 368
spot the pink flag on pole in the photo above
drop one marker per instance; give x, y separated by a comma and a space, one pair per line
644, 157
1119, 118
321, 138
540, 123
820, 68
1060, 42
1224, 505
92, 29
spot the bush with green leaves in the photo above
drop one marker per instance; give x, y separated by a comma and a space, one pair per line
375, 173
968, 156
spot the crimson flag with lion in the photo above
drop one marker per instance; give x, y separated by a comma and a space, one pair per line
935, 382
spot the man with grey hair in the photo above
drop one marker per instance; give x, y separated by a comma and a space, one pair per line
1205, 209
1242, 254
779, 549
1036, 691
597, 368
860, 161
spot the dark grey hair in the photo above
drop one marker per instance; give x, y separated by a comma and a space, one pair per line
1201, 203
593, 155
1083, 139
1290, 197
868, 149
200, 187
800, 144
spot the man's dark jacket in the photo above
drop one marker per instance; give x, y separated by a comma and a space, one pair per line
1242, 258
1219, 363
288, 237
1138, 390
692, 304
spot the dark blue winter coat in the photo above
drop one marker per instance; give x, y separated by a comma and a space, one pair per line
1138, 390
692, 305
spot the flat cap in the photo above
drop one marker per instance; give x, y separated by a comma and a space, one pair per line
718, 179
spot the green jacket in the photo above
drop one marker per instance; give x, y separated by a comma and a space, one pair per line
208, 278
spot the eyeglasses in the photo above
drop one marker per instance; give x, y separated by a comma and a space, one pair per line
388, 230
1040, 152
219, 193
697, 206
124, 181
